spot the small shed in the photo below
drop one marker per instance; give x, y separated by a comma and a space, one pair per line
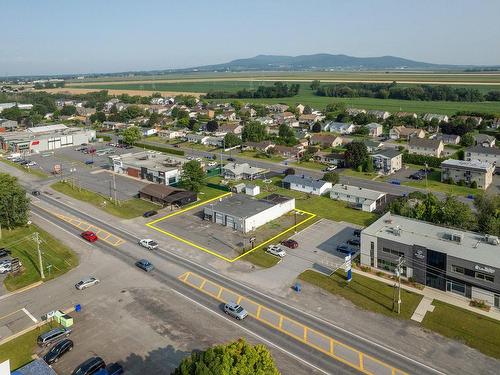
252, 190
238, 188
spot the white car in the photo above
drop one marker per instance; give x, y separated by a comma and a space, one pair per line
212, 164
189, 157
276, 250
86, 283
31, 164
5, 267
148, 244
331, 168
199, 160
267, 181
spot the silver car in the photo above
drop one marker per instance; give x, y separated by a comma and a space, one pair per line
276, 250
86, 283
235, 310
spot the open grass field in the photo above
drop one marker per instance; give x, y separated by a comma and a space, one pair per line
474, 330
364, 292
22, 245
305, 95
434, 183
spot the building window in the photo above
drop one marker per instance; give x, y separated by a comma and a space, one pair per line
482, 276
393, 252
457, 269
389, 266
372, 246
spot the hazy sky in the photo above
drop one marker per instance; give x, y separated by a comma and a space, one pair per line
80, 36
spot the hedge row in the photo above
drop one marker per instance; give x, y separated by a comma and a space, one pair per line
160, 148
431, 161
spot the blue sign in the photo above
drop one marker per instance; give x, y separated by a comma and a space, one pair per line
347, 266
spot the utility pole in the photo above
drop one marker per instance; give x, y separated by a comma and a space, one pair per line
114, 187
36, 238
398, 272
426, 171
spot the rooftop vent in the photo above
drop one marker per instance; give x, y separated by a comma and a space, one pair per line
395, 230
455, 237
492, 240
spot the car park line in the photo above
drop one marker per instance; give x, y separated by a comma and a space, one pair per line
346, 354
215, 253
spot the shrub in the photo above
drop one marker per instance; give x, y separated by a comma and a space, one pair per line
473, 185
461, 182
160, 148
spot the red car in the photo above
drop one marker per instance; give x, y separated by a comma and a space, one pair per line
292, 244
89, 236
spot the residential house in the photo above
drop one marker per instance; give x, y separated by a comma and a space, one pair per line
149, 132
214, 141
112, 125
289, 151
483, 154
167, 195
372, 146
333, 158
265, 120
82, 111
467, 171
387, 161
248, 111
381, 115
325, 140
227, 116
284, 117
364, 199
339, 127
197, 138
405, 114
354, 111
425, 146
434, 116
277, 107
484, 140
300, 108
476, 119
374, 129
306, 184
495, 124
242, 171
310, 119
258, 146
448, 139
171, 134
402, 132
235, 128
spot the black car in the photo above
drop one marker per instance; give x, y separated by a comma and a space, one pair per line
4, 252
114, 369
36, 193
417, 176
90, 366
353, 242
57, 351
344, 249
149, 213
231, 159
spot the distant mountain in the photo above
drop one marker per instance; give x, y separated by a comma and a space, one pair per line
321, 61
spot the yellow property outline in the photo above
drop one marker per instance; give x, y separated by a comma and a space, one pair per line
230, 260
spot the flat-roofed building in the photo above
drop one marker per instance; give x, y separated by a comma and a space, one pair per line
365, 199
468, 171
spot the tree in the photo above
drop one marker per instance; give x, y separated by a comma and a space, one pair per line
356, 154
331, 177
315, 85
254, 131
307, 110
68, 110
237, 358
368, 165
316, 128
131, 135
488, 216
231, 140
98, 117
289, 171
212, 126
14, 205
286, 133
467, 140
192, 176
154, 118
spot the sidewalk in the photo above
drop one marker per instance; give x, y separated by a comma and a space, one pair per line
431, 293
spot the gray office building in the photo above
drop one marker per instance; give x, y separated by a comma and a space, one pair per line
451, 260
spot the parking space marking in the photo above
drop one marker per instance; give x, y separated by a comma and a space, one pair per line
29, 315
327, 345
151, 225
10, 314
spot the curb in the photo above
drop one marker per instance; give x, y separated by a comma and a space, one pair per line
31, 286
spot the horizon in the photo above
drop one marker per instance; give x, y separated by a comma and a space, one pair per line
60, 38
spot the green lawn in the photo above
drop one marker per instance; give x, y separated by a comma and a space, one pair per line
434, 183
353, 173
22, 245
364, 292
309, 164
35, 171
475, 330
20, 350
259, 156
128, 209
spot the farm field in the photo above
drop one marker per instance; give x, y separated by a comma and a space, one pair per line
305, 95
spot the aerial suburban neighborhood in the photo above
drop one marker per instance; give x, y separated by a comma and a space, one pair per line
304, 214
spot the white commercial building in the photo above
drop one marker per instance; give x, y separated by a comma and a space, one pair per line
365, 199
245, 214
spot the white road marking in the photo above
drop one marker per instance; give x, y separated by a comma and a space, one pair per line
29, 315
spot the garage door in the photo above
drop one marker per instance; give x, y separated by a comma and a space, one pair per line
219, 218
230, 222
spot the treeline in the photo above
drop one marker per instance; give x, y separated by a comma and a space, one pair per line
48, 85
278, 90
417, 92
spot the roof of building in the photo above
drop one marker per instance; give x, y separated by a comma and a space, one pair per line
472, 246
447, 136
36, 367
243, 206
323, 137
305, 180
374, 125
357, 191
243, 168
388, 153
159, 191
469, 165
406, 131
151, 160
338, 125
480, 138
425, 143
484, 150
47, 128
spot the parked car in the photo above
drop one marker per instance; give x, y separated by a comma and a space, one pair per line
148, 244
57, 351
5, 267
416, 176
276, 250
114, 369
36, 193
353, 242
86, 283
31, 163
145, 265
81, 148
90, 366
199, 160
231, 159
4, 252
89, 236
357, 232
149, 213
330, 168
344, 249
235, 310
47, 338
189, 157
292, 244
88, 162
212, 164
